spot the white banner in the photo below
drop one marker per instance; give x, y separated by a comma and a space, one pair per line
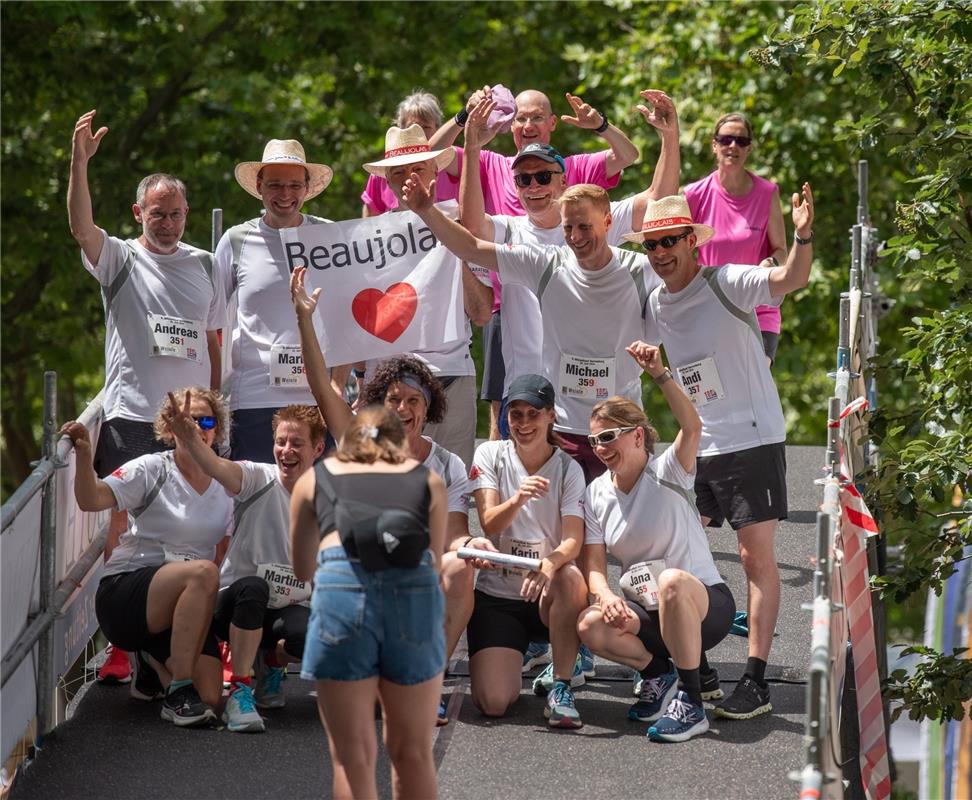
389, 287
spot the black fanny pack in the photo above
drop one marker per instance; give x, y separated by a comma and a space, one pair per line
380, 538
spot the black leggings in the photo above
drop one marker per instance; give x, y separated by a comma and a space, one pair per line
715, 626
244, 604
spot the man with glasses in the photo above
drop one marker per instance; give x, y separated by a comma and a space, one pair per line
540, 175
162, 314
705, 319
250, 262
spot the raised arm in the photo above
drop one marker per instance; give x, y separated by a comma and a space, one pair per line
457, 239
335, 411
686, 442
795, 273
472, 207
91, 493
80, 217
184, 428
623, 152
450, 129
664, 180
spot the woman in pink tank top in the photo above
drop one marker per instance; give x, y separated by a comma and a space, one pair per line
745, 211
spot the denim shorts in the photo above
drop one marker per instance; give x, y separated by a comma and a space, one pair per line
388, 623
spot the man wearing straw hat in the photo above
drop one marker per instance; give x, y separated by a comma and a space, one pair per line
407, 151
250, 261
705, 319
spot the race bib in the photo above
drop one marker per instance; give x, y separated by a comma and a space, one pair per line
172, 336
640, 583
287, 366
537, 550
701, 381
285, 589
590, 378
173, 554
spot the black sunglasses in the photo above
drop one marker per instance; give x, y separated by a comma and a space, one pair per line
543, 178
665, 241
206, 423
725, 140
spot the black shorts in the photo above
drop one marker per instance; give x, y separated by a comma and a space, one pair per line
494, 368
504, 622
770, 342
234, 605
715, 626
121, 604
121, 440
745, 487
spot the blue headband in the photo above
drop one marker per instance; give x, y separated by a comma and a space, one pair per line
413, 380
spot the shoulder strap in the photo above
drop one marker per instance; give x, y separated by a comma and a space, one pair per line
635, 265
111, 291
242, 508
556, 261
746, 317
157, 486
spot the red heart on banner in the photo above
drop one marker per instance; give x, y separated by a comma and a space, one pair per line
385, 314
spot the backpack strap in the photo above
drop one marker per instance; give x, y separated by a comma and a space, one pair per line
167, 464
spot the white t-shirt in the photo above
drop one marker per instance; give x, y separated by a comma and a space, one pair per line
449, 467
146, 294
657, 520
521, 328
713, 344
537, 528
265, 315
589, 318
177, 524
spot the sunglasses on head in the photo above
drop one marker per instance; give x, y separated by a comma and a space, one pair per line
206, 423
543, 177
665, 241
608, 436
725, 140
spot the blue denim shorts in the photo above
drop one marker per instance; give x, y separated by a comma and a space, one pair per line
388, 623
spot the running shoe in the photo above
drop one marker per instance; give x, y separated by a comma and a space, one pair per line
145, 680
655, 695
637, 683
116, 670
185, 708
747, 700
441, 717
241, 715
586, 660
537, 654
711, 690
269, 680
682, 720
544, 682
560, 710
740, 624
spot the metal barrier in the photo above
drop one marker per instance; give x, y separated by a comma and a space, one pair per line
848, 449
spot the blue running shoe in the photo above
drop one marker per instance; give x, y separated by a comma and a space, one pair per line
269, 691
441, 716
740, 624
683, 720
560, 710
655, 695
536, 655
544, 682
586, 660
241, 715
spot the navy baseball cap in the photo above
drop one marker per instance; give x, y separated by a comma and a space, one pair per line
544, 152
533, 389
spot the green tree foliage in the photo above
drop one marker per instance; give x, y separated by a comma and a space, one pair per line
908, 66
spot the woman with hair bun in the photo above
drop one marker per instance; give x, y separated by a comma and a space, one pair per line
373, 518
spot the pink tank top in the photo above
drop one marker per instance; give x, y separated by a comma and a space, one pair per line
741, 229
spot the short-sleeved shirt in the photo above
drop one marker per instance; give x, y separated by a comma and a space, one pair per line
448, 466
261, 523
499, 190
144, 292
250, 261
520, 324
714, 346
537, 528
167, 519
589, 318
656, 521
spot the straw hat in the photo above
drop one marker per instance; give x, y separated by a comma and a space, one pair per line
408, 146
667, 213
283, 151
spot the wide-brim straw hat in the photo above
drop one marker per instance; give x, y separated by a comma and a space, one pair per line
667, 213
408, 146
283, 151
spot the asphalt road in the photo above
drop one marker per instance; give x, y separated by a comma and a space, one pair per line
115, 747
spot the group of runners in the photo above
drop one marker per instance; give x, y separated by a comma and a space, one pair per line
214, 544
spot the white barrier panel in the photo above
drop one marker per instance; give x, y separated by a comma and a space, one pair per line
19, 595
